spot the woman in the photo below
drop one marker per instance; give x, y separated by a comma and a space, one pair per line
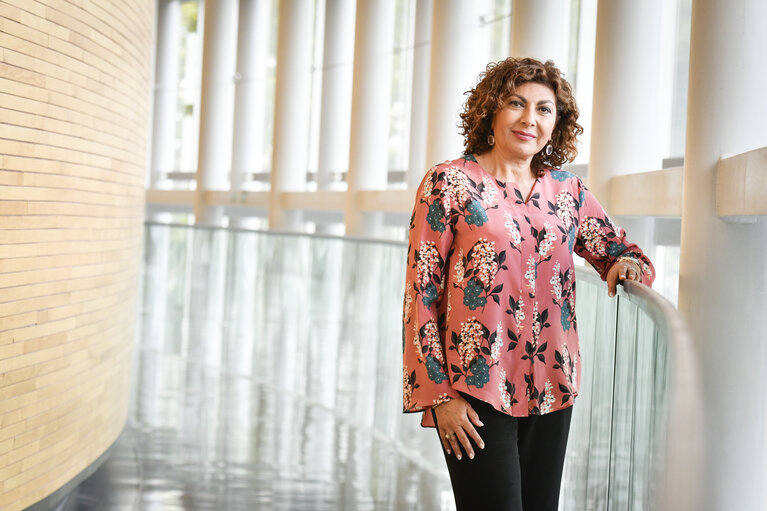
490, 339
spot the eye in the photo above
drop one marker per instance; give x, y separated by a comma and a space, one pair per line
516, 103
545, 109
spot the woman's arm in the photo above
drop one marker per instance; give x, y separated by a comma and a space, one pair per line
605, 246
425, 380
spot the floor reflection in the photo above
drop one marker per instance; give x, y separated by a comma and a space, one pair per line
267, 377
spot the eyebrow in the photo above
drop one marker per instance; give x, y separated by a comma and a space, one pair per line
525, 99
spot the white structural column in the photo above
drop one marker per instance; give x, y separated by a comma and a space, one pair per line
336, 90
214, 160
165, 90
626, 115
723, 269
419, 106
291, 108
451, 75
583, 79
541, 29
252, 51
371, 97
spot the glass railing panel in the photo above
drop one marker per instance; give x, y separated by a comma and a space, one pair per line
275, 360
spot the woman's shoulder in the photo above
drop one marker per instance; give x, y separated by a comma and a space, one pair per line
562, 176
450, 170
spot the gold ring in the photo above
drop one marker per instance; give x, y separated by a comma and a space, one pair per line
448, 436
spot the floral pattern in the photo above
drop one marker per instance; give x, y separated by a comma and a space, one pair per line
505, 331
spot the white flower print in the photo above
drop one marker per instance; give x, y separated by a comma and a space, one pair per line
489, 191
483, 253
548, 397
471, 336
592, 236
456, 189
408, 302
565, 208
431, 338
495, 350
548, 240
427, 260
428, 186
511, 226
459, 269
505, 396
407, 387
530, 273
417, 342
519, 314
556, 283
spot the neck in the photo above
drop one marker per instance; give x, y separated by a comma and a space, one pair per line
506, 167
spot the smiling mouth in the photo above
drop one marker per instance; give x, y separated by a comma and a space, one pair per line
524, 135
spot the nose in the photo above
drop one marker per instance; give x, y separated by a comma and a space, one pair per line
528, 116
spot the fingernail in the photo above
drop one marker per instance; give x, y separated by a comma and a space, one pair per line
482, 445
458, 456
448, 451
481, 423
471, 455
611, 293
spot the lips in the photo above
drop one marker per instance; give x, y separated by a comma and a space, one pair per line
523, 135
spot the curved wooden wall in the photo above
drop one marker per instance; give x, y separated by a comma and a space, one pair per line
74, 118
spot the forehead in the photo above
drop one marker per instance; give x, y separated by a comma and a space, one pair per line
534, 91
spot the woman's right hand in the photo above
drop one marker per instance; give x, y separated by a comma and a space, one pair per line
456, 420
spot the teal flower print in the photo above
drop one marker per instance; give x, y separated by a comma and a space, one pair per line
571, 239
477, 215
615, 249
480, 373
436, 216
560, 175
429, 295
471, 295
565, 318
434, 370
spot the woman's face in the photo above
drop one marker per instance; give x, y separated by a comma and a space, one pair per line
524, 125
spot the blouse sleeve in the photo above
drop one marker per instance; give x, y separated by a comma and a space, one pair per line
601, 242
425, 380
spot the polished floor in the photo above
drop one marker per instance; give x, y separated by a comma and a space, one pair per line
255, 388
267, 376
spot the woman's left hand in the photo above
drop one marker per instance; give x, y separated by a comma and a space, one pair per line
620, 271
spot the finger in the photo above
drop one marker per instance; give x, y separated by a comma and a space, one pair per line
473, 416
465, 442
611, 281
445, 441
455, 447
473, 433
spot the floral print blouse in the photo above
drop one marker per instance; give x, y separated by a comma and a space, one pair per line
489, 304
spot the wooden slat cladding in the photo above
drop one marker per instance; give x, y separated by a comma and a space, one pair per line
74, 120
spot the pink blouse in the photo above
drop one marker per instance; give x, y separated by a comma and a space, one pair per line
490, 294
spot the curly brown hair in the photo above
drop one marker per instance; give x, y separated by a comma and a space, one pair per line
496, 84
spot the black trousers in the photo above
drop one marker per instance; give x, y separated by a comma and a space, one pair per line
520, 468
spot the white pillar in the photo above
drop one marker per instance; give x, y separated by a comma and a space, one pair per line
371, 97
336, 90
165, 90
626, 115
419, 107
541, 29
214, 160
723, 270
583, 79
291, 108
451, 75
249, 110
